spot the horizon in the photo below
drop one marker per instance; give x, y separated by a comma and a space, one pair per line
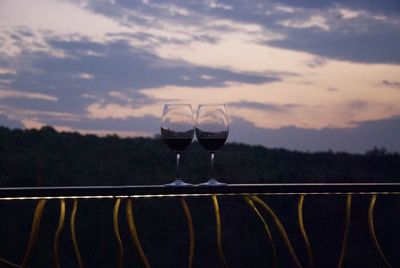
157, 136
300, 76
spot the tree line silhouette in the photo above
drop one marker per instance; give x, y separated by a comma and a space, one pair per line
47, 157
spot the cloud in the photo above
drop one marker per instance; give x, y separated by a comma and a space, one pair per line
311, 22
336, 29
385, 6
300, 104
317, 62
114, 66
133, 67
333, 89
52, 15
7, 72
112, 110
215, 4
4, 94
11, 123
393, 84
21, 114
269, 107
285, 9
343, 32
348, 13
365, 136
97, 132
129, 127
355, 47
148, 124
85, 76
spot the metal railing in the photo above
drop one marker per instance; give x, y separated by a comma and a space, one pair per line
254, 197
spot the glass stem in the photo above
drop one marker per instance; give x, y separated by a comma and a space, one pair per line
178, 173
212, 166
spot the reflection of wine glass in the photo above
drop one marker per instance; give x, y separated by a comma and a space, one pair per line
212, 128
177, 132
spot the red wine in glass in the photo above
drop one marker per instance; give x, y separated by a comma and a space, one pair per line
177, 133
176, 144
210, 142
212, 129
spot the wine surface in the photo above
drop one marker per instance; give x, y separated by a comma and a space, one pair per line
212, 144
177, 144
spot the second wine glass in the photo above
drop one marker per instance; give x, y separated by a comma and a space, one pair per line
177, 133
212, 128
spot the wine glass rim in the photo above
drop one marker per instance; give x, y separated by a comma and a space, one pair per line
177, 104
212, 104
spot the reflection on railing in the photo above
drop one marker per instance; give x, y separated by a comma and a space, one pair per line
372, 229
218, 231
266, 226
117, 233
73, 233
34, 231
133, 232
255, 197
280, 227
58, 233
346, 230
303, 231
189, 220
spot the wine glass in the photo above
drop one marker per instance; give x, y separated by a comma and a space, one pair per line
177, 133
212, 128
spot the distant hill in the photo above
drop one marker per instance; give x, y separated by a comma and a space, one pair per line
48, 157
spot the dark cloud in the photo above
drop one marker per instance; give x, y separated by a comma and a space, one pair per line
97, 68
25, 31
367, 135
147, 124
333, 89
384, 6
358, 105
10, 123
7, 76
361, 39
393, 84
130, 67
270, 107
375, 47
153, 41
317, 62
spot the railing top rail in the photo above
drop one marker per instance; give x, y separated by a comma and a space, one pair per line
125, 191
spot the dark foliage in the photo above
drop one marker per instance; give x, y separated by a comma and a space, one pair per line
46, 157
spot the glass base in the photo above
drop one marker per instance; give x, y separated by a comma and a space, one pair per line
178, 182
212, 182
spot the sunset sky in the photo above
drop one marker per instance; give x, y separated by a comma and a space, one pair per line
302, 75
